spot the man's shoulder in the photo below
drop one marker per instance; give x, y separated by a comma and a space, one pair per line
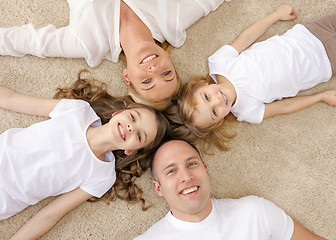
252, 203
156, 231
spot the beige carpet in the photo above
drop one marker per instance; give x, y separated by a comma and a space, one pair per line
289, 160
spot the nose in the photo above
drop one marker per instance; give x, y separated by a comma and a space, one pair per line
185, 175
129, 128
152, 68
217, 101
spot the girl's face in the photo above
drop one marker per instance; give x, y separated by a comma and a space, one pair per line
213, 103
133, 129
151, 72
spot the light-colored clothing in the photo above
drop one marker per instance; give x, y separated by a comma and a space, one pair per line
51, 158
93, 31
248, 218
270, 70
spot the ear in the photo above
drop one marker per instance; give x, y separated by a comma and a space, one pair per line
125, 74
130, 152
157, 187
206, 167
204, 84
115, 113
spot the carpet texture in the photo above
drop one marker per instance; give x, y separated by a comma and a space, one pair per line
289, 160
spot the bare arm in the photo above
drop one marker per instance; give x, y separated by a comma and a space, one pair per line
21, 103
48, 216
301, 233
295, 104
252, 33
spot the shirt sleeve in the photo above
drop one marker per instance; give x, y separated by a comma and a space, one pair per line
279, 224
47, 41
175, 16
68, 105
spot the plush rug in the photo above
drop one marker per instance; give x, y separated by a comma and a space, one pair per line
289, 159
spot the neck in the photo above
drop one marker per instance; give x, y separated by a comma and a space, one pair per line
195, 217
99, 141
132, 30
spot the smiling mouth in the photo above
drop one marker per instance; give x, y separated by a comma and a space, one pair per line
149, 58
224, 97
121, 131
189, 190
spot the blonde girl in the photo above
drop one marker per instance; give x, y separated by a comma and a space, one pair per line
88, 149
250, 82
102, 29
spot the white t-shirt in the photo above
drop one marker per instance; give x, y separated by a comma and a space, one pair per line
93, 32
248, 218
51, 158
271, 70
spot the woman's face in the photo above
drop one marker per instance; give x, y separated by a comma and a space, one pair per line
151, 72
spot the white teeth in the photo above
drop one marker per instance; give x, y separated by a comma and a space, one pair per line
147, 59
121, 131
189, 190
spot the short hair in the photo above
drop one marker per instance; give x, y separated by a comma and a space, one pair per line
163, 143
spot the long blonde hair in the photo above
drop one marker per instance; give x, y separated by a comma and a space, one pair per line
180, 116
128, 167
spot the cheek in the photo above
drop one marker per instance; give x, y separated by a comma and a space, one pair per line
223, 112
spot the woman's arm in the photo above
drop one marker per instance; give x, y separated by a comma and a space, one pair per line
252, 33
295, 104
21, 103
48, 216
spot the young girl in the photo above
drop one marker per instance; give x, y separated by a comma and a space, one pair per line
251, 83
101, 29
71, 153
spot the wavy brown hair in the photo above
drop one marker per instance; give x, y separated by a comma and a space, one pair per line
128, 167
180, 115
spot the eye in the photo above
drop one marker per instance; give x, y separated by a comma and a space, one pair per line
214, 112
206, 97
166, 73
139, 137
192, 164
132, 117
147, 81
171, 172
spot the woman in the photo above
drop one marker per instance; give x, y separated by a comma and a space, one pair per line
102, 29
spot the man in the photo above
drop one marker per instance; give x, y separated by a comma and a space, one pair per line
182, 178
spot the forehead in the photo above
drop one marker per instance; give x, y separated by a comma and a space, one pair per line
174, 152
161, 89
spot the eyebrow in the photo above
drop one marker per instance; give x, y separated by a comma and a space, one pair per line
211, 115
168, 80
142, 131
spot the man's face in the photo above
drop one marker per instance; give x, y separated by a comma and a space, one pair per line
182, 179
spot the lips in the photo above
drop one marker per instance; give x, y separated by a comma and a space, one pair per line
189, 190
121, 131
224, 97
148, 58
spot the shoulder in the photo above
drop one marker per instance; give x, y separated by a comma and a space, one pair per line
156, 231
66, 105
249, 204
